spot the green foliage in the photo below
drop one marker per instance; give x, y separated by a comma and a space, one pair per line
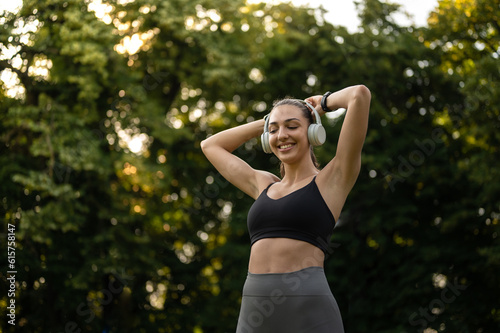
121, 223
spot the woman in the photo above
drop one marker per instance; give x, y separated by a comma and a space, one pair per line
292, 219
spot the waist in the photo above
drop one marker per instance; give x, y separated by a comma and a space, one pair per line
308, 281
283, 255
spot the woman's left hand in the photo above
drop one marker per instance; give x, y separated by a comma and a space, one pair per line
316, 102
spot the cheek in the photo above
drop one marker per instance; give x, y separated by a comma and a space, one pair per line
302, 135
272, 137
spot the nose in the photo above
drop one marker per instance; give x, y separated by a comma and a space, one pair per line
282, 134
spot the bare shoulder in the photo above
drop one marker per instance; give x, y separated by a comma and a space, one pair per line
263, 179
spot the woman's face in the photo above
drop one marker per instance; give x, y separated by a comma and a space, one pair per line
288, 133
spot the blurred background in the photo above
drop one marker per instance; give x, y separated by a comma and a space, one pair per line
119, 222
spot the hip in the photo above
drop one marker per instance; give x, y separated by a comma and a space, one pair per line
299, 301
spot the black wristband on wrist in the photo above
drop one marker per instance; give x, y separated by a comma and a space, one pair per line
323, 102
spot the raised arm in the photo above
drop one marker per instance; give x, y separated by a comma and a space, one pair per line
345, 166
218, 149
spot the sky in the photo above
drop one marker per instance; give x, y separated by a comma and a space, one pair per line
340, 12
343, 12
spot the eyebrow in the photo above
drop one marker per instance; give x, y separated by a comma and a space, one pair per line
286, 121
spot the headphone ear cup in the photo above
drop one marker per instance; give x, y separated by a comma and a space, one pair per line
264, 139
316, 134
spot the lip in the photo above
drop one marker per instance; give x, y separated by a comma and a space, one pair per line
287, 147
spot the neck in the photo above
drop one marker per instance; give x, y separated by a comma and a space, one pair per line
297, 172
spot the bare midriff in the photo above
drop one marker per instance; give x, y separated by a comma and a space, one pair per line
283, 255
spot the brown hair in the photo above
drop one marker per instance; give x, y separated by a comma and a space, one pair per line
307, 114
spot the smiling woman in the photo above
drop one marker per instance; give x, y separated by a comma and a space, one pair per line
292, 218
297, 115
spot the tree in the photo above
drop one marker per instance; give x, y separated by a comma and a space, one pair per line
55, 157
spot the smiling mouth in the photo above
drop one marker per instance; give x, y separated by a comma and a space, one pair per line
287, 146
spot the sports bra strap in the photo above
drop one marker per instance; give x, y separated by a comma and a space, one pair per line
268, 186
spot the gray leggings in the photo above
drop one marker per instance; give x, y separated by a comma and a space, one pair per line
295, 302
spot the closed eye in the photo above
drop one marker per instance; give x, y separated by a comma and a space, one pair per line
289, 127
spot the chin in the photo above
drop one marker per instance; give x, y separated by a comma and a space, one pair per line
288, 158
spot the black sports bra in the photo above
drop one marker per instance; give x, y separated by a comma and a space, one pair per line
302, 214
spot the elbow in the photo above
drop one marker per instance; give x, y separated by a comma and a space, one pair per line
361, 96
204, 145
362, 92
207, 146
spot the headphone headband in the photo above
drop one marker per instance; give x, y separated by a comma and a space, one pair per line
317, 118
313, 109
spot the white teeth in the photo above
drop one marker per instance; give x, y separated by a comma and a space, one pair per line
285, 146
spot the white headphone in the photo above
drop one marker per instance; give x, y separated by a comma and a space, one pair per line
316, 133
